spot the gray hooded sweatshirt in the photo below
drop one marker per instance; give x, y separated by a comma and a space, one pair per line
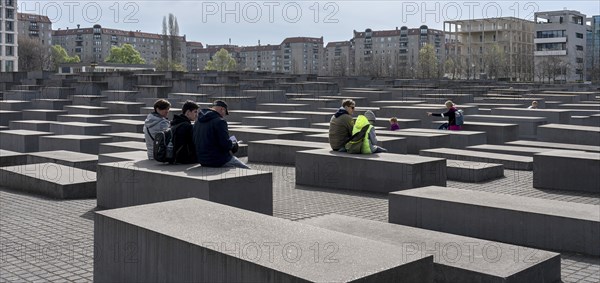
153, 124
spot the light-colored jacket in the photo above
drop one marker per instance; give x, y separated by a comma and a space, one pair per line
153, 124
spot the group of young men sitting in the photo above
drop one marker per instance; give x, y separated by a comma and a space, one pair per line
207, 141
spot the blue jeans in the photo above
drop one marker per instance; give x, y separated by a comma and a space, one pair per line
235, 162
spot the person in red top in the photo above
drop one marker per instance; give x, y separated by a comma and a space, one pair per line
451, 114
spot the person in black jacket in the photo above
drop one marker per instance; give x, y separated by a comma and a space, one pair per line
451, 114
183, 133
214, 148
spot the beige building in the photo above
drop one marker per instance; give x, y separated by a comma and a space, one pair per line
191, 49
394, 52
560, 46
9, 57
338, 59
302, 55
93, 44
260, 58
500, 48
36, 27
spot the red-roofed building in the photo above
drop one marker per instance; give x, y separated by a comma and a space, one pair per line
302, 55
35, 26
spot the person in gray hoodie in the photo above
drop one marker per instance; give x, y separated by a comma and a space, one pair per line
156, 122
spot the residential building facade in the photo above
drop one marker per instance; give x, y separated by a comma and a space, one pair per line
593, 49
338, 59
499, 48
267, 58
191, 61
37, 27
302, 55
394, 52
560, 46
9, 56
200, 57
94, 44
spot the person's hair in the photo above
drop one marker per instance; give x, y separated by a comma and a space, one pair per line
348, 103
449, 103
534, 102
189, 105
161, 104
394, 119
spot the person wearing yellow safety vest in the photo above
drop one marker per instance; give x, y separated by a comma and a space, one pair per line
364, 140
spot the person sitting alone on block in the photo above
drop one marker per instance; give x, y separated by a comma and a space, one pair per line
364, 139
183, 133
394, 124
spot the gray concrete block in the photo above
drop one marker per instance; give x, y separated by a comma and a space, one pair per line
86, 110
82, 118
90, 100
42, 114
66, 158
78, 128
394, 144
303, 130
21, 140
31, 125
120, 95
125, 125
539, 144
54, 104
283, 107
238, 115
11, 158
527, 125
6, 116
193, 240
57, 92
122, 107
456, 139
50, 179
251, 134
531, 222
496, 133
279, 151
567, 170
266, 95
14, 105
456, 258
514, 162
77, 143
131, 183
273, 122
311, 116
569, 134
416, 141
122, 156
126, 136
473, 172
122, 147
552, 115
508, 149
382, 172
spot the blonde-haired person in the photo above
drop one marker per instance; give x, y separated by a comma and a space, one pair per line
451, 114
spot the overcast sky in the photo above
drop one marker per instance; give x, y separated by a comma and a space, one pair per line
247, 22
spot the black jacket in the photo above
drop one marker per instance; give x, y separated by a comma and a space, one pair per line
211, 138
183, 142
451, 114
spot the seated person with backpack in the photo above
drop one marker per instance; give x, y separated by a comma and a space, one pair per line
184, 150
156, 122
214, 148
364, 139
455, 117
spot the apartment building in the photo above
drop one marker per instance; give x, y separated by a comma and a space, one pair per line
560, 46
261, 58
593, 49
338, 59
9, 57
94, 44
191, 47
394, 52
36, 27
302, 55
499, 48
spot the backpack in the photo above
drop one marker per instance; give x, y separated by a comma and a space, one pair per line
355, 144
459, 117
163, 145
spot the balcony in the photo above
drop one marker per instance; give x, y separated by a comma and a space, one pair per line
550, 40
550, 53
34, 27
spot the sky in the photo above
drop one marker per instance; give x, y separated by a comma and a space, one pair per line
248, 22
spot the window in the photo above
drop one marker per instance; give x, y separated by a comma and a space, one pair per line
551, 46
9, 51
579, 60
550, 33
9, 66
10, 14
10, 38
579, 47
9, 26
9, 2
579, 35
